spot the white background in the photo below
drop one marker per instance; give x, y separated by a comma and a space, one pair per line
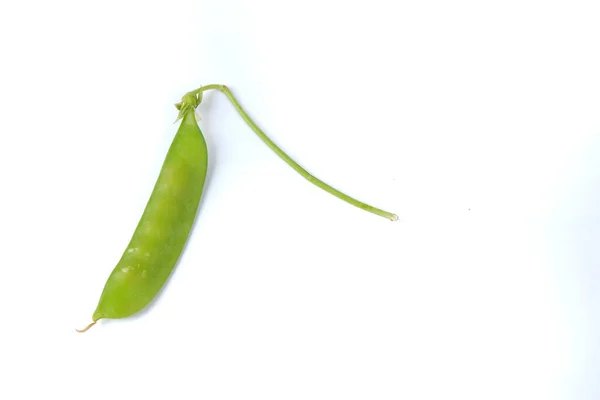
477, 122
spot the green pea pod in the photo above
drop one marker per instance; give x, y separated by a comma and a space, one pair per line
166, 222
164, 226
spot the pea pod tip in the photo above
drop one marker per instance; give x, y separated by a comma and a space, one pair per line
87, 327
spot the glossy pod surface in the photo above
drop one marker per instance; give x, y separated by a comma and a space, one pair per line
163, 228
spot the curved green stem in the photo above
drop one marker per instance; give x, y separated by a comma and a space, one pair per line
225, 90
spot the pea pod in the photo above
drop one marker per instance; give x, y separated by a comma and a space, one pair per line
167, 220
164, 226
